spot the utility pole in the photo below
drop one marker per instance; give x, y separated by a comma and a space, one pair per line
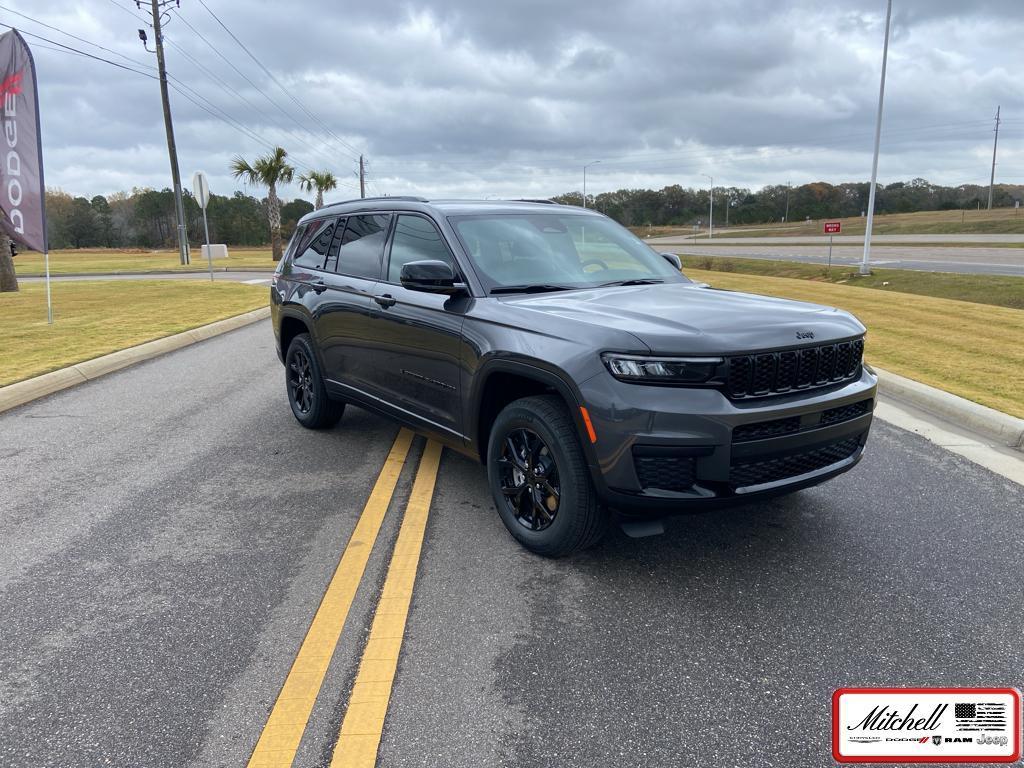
362, 177
992, 178
865, 268
169, 126
785, 216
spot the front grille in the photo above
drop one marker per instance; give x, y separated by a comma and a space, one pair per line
845, 412
782, 467
773, 373
669, 473
760, 430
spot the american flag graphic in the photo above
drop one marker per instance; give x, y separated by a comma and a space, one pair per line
980, 716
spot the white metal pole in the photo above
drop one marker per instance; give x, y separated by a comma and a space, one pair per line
711, 204
595, 162
49, 301
865, 268
209, 250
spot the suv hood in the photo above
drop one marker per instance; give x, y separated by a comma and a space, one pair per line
690, 318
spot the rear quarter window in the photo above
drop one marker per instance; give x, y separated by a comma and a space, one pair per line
311, 251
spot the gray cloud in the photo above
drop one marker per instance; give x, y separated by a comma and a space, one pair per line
469, 98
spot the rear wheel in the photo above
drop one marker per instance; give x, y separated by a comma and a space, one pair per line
540, 481
307, 395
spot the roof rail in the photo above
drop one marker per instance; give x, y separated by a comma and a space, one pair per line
533, 200
401, 198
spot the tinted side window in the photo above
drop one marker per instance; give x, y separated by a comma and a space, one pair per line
416, 239
316, 241
293, 243
362, 245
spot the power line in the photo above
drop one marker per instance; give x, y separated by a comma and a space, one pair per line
223, 116
131, 13
234, 92
81, 52
284, 90
248, 80
76, 37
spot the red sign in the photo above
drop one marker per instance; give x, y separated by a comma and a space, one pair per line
833, 227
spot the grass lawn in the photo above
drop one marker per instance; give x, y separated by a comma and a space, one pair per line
973, 350
112, 260
96, 318
998, 290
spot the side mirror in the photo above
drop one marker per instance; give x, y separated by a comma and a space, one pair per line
673, 259
430, 276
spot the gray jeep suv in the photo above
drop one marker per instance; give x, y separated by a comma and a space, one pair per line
581, 367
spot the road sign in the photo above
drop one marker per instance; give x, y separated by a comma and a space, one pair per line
201, 189
833, 227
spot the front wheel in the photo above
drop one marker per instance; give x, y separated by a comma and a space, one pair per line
540, 481
307, 395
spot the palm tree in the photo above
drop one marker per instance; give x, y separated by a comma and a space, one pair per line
321, 181
267, 171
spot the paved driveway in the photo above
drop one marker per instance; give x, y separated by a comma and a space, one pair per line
168, 532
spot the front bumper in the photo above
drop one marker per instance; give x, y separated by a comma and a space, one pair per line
666, 449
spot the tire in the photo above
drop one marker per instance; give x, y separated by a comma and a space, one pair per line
523, 491
311, 405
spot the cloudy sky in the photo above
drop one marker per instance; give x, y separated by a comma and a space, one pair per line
471, 98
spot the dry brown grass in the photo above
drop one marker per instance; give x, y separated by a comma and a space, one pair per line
135, 260
973, 350
95, 318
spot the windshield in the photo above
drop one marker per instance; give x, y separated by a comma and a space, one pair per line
552, 251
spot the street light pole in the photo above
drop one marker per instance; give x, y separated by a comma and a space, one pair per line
593, 162
865, 269
711, 205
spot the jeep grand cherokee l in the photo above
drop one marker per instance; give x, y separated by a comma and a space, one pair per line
581, 367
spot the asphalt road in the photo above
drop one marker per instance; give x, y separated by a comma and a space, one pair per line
960, 259
168, 532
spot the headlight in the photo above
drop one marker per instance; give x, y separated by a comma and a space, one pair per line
663, 370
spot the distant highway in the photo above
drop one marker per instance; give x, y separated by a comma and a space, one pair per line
849, 250
845, 239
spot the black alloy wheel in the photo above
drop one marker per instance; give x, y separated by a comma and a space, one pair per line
310, 402
300, 381
529, 479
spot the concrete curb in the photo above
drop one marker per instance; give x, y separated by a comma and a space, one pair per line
994, 425
22, 392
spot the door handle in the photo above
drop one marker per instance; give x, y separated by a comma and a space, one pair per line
319, 286
386, 300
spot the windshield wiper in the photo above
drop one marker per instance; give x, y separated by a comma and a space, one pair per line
531, 288
634, 281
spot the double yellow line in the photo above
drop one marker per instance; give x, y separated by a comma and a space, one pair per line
364, 718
